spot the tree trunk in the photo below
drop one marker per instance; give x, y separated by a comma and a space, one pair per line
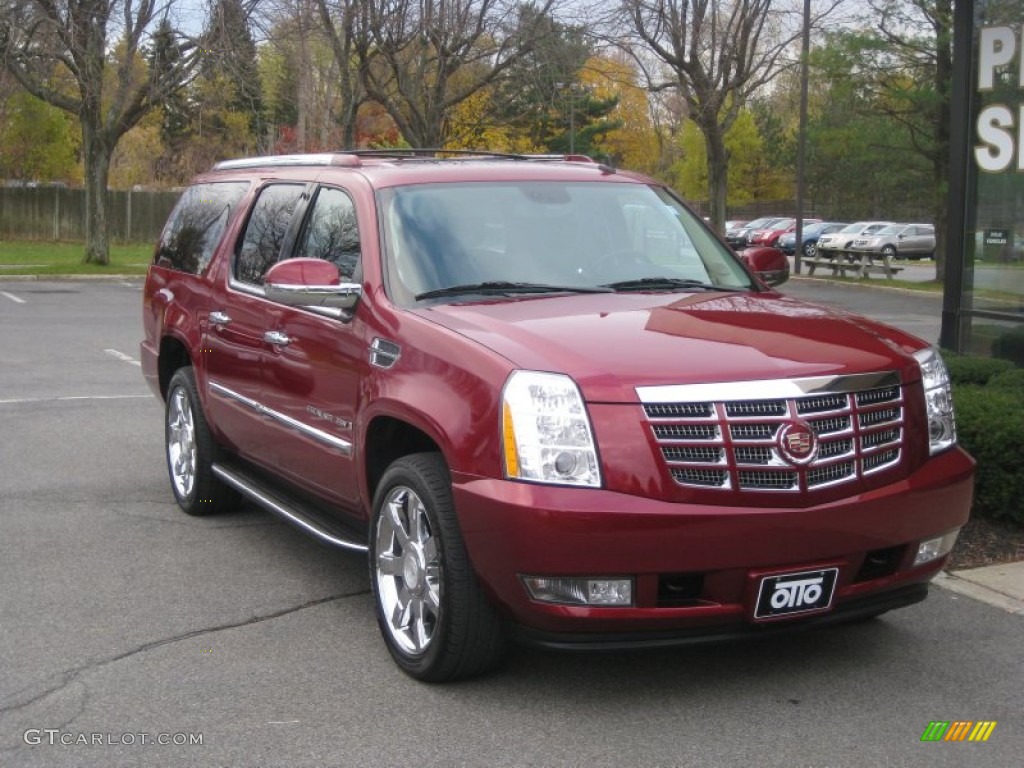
718, 173
96, 157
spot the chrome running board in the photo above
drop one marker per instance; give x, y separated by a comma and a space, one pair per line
289, 509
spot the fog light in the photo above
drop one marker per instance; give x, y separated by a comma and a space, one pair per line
568, 590
935, 548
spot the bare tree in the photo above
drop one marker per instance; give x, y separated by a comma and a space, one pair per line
344, 24
718, 54
86, 57
421, 58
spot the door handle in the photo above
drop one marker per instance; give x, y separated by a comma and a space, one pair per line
219, 318
277, 338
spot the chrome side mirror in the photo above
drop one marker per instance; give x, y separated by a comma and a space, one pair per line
310, 283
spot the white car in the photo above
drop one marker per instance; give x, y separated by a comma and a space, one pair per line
831, 244
899, 241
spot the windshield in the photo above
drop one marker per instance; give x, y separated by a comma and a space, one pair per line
853, 228
458, 241
893, 230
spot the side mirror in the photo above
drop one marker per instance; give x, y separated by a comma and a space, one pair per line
769, 264
309, 283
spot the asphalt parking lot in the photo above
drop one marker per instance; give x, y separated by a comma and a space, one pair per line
124, 623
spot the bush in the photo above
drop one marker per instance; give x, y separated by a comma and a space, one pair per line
990, 426
974, 370
1012, 380
1010, 346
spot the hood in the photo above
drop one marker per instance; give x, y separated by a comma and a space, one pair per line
612, 343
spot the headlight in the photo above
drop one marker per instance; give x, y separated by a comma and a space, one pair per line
938, 397
546, 434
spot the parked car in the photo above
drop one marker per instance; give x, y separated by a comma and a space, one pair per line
811, 233
770, 235
837, 242
899, 241
738, 237
545, 401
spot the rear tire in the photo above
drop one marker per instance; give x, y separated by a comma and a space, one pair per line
432, 612
191, 450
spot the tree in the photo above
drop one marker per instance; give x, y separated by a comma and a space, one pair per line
751, 175
631, 141
229, 58
422, 58
911, 64
345, 24
59, 51
719, 54
860, 162
38, 140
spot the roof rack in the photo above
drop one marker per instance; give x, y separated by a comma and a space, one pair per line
350, 158
324, 158
399, 153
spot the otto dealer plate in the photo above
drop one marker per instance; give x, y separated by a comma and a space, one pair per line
789, 593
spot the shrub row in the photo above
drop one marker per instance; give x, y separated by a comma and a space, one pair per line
988, 394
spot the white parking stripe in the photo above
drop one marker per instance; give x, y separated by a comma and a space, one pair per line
12, 297
122, 357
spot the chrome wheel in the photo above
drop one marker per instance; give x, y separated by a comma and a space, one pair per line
191, 450
408, 571
810, 250
181, 443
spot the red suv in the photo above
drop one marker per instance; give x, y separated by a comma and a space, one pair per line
548, 402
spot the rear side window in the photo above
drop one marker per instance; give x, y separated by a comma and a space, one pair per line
196, 224
266, 230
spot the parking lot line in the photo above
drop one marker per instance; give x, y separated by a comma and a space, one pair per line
69, 398
123, 357
12, 297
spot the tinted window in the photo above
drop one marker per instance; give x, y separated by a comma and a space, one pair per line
196, 224
575, 234
331, 233
265, 232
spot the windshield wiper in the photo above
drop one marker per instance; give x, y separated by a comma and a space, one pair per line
666, 283
503, 287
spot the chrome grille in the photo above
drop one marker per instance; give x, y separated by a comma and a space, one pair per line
733, 442
679, 409
700, 453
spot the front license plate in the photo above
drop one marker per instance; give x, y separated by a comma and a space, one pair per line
789, 593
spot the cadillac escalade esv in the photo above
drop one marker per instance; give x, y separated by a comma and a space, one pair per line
547, 402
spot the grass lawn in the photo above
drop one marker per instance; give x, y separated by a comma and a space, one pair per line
26, 257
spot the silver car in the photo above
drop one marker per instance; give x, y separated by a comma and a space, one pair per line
899, 241
829, 245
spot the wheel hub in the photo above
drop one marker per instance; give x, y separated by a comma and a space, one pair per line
414, 567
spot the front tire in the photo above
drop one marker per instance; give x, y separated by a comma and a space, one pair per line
435, 619
810, 249
191, 449
890, 252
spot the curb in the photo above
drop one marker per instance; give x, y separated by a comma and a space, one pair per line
999, 585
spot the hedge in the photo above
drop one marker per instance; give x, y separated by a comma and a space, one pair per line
988, 395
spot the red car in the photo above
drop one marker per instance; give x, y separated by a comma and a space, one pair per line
546, 400
769, 236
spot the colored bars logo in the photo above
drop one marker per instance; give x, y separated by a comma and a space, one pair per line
958, 730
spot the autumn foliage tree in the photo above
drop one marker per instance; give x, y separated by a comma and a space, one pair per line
63, 52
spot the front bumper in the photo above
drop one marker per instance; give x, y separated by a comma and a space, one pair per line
513, 529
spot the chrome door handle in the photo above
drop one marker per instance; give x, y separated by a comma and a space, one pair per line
219, 318
277, 338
